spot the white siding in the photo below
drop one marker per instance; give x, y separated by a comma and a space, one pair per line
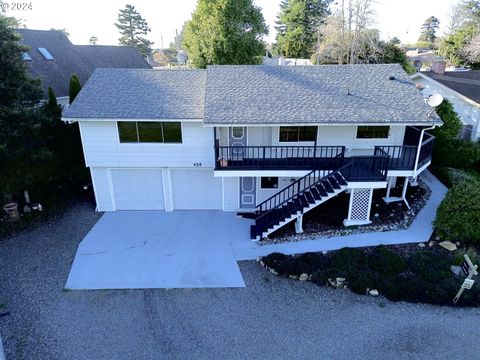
346, 136
101, 187
264, 194
230, 193
260, 136
102, 148
466, 110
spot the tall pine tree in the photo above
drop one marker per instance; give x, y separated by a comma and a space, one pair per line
297, 26
133, 28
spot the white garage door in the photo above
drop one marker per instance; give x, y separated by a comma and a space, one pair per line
196, 190
138, 189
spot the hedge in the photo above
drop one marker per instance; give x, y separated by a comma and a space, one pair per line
458, 215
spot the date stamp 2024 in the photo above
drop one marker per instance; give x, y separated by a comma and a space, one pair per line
15, 6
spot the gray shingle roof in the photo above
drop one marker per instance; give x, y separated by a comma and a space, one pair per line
73, 59
141, 94
312, 94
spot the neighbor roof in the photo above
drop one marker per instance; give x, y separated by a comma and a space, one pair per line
140, 94
71, 59
313, 94
466, 83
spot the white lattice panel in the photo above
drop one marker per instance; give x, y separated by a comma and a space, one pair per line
360, 206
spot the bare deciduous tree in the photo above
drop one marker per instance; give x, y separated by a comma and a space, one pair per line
472, 50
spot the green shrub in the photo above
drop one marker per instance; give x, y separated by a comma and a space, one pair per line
386, 262
458, 215
451, 122
472, 254
455, 153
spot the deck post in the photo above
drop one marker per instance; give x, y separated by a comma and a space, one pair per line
404, 192
299, 225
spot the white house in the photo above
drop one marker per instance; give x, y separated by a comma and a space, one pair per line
462, 89
272, 141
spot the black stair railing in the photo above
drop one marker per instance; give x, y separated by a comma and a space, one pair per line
289, 200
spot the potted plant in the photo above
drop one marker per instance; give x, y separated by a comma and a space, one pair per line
11, 208
223, 162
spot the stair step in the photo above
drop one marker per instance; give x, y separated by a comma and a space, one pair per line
309, 197
316, 193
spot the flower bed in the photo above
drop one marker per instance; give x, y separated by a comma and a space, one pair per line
326, 220
400, 272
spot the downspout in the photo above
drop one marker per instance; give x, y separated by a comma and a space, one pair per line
417, 158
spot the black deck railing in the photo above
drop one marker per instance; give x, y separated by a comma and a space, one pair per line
426, 150
281, 157
328, 158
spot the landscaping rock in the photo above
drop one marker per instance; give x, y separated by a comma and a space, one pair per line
273, 271
422, 245
303, 277
456, 270
293, 277
437, 238
431, 243
373, 292
450, 246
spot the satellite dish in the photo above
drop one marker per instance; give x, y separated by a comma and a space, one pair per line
435, 100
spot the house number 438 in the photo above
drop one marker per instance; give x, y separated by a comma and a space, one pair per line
197, 164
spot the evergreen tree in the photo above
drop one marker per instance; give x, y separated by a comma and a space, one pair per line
74, 88
225, 32
428, 29
133, 28
298, 26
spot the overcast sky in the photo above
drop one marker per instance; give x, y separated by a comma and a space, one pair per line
84, 18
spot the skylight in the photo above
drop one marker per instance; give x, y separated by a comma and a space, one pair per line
26, 57
45, 53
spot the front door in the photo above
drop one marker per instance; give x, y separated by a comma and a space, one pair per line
248, 198
238, 139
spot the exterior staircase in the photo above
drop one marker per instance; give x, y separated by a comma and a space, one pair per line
296, 199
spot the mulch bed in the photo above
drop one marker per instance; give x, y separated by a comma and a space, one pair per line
326, 220
407, 272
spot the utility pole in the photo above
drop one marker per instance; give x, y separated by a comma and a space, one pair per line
161, 41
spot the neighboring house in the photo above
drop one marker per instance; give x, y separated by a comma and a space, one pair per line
422, 58
275, 140
274, 60
462, 89
54, 59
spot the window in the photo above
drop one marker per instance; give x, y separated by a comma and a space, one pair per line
237, 132
45, 53
26, 57
269, 182
149, 131
373, 132
156, 132
297, 133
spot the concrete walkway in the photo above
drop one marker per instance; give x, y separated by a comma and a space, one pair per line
419, 231
157, 249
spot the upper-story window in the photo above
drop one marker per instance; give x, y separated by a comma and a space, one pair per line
157, 132
373, 132
297, 133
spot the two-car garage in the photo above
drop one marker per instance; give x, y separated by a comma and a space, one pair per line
165, 189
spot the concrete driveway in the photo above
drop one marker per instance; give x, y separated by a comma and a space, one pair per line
155, 249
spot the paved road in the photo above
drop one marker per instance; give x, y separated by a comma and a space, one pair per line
272, 318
